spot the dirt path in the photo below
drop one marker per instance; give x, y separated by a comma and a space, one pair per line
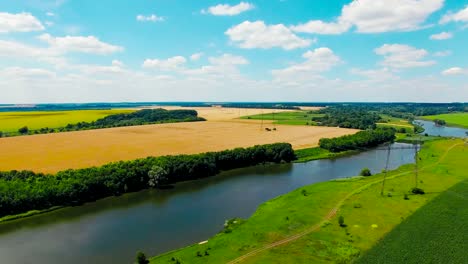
333, 211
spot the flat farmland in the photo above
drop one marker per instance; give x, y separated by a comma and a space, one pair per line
59, 151
12, 121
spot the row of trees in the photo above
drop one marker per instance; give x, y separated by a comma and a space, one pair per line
348, 117
360, 140
141, 117
21, 191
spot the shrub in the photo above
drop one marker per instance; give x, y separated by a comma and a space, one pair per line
365, 172
141, 258
417, 190
406, 197
341, 221
357, 205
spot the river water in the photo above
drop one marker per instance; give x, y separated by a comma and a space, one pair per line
155, 221
445, 131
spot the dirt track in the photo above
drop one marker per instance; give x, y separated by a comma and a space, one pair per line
54, 152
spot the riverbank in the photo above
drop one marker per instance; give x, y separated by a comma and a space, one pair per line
302, 226
455, 119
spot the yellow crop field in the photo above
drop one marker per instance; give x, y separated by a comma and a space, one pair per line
59, 151
12, 121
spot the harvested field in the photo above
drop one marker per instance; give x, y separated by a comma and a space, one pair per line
55, 152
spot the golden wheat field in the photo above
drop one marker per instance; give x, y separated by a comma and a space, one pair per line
55, 152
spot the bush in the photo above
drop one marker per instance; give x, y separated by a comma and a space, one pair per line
416, 190
341, 221
365, 172
141, 258
406, 197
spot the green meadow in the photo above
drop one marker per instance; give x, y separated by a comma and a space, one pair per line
436, 233
456, 119
287, 118
302, 226
12, 121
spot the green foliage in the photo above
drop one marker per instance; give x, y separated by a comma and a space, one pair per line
157, 176
436, 233
288, 118
341, 221
22, 191
416, 190
439, 122
142, 117
365, 172
23, 130
347, 117
453, 119
360, 140
141, 258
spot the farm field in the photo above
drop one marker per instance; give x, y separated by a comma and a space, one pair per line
436, 233
396, 123
59, 151
456, 119
302, 226
12, 121
287, 118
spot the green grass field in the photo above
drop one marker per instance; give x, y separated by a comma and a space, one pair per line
287, 118
396, 123
12, 121
436, 233
457, 119
302, 226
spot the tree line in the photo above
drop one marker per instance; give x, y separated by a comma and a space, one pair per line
137, 118
347, 117
22, 191
360, 140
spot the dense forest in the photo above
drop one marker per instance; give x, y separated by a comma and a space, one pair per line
347, 117
21, 191
358, 141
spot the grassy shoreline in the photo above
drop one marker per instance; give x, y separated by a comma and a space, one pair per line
368, 215
454, 120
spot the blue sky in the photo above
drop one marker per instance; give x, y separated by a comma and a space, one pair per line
263, 50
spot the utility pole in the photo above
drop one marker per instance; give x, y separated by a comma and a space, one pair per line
416, 158
386, 170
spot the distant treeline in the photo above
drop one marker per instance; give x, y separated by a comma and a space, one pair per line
137, 118
245, 105
358, 141
22, 191
141, 117
347, 117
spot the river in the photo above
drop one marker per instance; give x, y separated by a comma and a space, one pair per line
112, 230
445, 131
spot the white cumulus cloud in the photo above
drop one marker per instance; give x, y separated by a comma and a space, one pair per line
89, 44
455, 71
375, 16
196, 56
441, 36
460, 16
173, 63
403, 56
257, 34
228, 10
21, 22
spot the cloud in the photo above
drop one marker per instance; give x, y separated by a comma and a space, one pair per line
149, 18
50, 14
375, 74
443, 53
455, 71
376, 16
460, 16
228, 59
320, 27
441, 36
403, 56
21, 22
316, 61
89, 44
196, 56
169, 64
26, 73
228, 10
250, 35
